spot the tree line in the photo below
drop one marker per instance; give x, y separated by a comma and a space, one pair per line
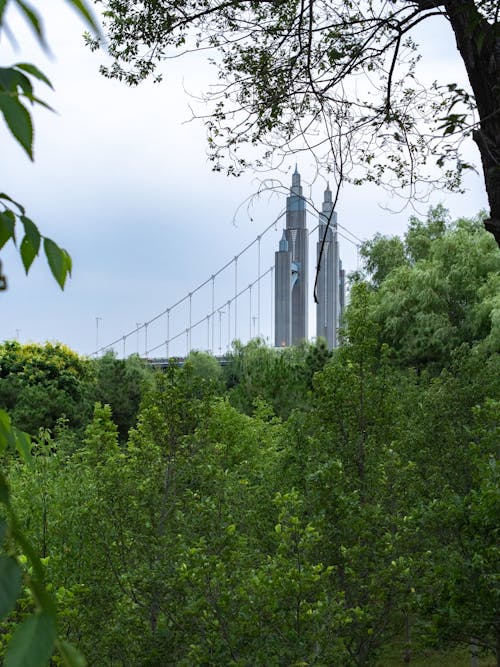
295, 507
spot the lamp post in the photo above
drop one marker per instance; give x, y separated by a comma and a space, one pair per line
137, 324
221, 313
97, 320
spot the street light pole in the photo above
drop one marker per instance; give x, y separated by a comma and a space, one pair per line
97, 320
137, 324
221, 313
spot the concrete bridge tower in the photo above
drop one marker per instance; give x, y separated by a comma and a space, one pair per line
330, 275
291, 271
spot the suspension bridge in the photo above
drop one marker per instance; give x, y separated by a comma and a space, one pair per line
224, 307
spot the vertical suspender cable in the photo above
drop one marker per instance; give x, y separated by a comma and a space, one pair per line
272, 305
190, 318
228, 324
236, 297
208, 334
146, 339
258, 285
168, 331
213, 313
124, 339
220, 332
250, 306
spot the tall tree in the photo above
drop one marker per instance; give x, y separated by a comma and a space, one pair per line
436, 291
282, 377
337, 78
39, 384
119, 383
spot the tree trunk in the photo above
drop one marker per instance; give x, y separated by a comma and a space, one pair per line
498, 645
479, 44
407, 651
474, 653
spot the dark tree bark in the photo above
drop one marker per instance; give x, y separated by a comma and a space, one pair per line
479, 44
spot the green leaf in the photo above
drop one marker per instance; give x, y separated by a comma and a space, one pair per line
3, 530
36, 100
7, 227
70, 654
31, 231
59, 261
3, 5
69, 261
32, 643
31, 242
11, 79
10, 584
6, 435
28, 253
19, 206
34, 71
23, 445
83, 10
18, 121
34, 21
37, 581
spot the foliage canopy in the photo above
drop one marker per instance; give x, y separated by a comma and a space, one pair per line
297, 507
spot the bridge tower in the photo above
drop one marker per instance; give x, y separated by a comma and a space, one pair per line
291, 271
331, 278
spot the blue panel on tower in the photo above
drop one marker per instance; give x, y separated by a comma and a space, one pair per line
296, 203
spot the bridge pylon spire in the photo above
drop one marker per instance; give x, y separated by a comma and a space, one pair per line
291, 271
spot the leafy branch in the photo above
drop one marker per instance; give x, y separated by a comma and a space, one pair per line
16, 97
59, 260
35, 639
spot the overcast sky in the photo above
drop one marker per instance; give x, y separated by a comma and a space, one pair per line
123, 183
